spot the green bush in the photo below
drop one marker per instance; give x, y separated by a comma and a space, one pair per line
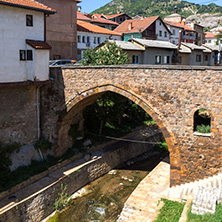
203, 128
63, 200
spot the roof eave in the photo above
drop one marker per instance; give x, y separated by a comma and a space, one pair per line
28, 7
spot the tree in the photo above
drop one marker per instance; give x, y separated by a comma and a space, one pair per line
219, 37
109, 54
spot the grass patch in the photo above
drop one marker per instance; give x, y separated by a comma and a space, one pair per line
170, 212
217, 217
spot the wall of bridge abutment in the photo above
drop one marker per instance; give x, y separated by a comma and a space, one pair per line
170, 94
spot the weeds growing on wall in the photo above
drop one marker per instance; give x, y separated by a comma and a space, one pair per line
63, 200
43, 145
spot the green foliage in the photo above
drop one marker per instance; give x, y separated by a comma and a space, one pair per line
217, 217
201, 110
5, 151
109, 54
162, 147
170, 212
63, 200
113, 115
156, 7
203, 128
43, 145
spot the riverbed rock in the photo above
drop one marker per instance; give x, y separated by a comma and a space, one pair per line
87, 143
87, 157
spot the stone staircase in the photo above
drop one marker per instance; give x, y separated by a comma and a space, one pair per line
205, 193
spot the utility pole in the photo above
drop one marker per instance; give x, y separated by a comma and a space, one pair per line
219, 50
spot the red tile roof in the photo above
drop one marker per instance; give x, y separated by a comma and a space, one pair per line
38, 44
138, 25
179, 25
88, 27
83, 16
113, 16
105, 21
30, 4
209, 35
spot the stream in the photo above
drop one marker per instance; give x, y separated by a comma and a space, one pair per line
104, 198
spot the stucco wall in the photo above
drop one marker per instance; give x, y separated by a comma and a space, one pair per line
13, 33
150, 53
161, 27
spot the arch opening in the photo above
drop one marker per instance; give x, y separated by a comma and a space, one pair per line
89, 96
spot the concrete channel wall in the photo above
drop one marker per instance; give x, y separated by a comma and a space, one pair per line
39, 205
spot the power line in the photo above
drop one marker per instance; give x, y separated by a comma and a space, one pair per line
125, 140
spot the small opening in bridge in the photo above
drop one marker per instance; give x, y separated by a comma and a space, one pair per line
202, 121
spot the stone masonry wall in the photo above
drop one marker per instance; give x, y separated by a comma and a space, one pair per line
18, 114
39, 205
170, 94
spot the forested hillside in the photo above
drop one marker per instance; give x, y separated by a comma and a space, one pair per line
157, 7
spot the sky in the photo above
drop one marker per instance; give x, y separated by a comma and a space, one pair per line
91, 5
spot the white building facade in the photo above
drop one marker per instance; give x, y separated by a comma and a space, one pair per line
24, 52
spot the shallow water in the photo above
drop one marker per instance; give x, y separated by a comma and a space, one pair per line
104, 198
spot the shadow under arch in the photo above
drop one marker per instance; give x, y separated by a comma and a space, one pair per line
89, 96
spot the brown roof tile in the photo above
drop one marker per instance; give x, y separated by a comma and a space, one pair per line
83, 16
38, 44
138, 25
209, 35
31, 4
105, 21
179, 25
88, 27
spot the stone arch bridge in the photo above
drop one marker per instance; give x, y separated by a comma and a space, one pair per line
170, 94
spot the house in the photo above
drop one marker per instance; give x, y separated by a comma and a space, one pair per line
134, 52
210, 38
100, 21
90, 36
23, 41
152, 28
180, 32
200, 37
156, 52
215, 58
118, 18
192, 54
61, 30
177, 19
24, 68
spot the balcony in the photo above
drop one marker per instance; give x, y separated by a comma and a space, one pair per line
151, 36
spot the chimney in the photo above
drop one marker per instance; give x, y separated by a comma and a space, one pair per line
130, 26
175, 9
183, 22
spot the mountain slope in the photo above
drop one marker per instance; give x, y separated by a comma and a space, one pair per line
157, 7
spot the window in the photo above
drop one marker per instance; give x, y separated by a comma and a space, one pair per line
94, 41
173, 42
29, 55
160, 33
79, 38
83, 39
25, 55
198, 58
136, 59
165, 34
157, 59
205, 57
173, 31
88, 39
209, 41
29, 20
202, 121
166, 59
160, 24
98, 40
22, 55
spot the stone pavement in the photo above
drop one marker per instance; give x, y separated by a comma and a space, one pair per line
142, 205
